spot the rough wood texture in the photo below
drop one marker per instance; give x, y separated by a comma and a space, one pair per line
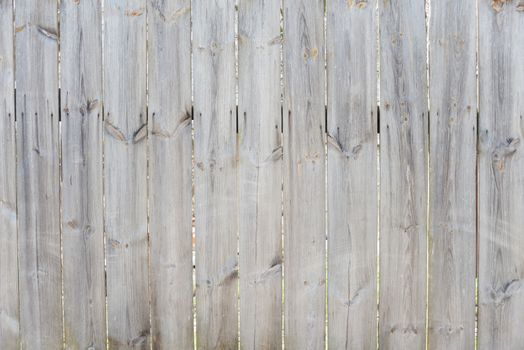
38, 187
403, 171
304, 174
501, 175
352, 174
9, 315
82, 187
170, 183
125, 173
215, 174
452, 215
260, 175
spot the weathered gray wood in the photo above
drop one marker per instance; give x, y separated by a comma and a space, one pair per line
260, 174
403, 172
501, 175
82, 184
352, 174
304, 175
9, 315
452, 215
215, 174
125, 173
38, 185
170, 184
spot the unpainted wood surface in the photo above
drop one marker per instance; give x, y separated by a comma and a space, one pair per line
304, 175
403, 173
170, 183
213, 25
9, 315
125, 174
260, 175
352, 174
82, 184
38, 185
501, 175
452, 206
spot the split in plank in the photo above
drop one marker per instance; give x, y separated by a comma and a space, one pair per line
352, 174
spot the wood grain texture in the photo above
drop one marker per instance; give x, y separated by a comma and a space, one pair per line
125, 174
38, 188
260, 175
9, 314
501, 175
215, 174
304, 175
352, 174
82, 174
170, 183
453, 135
403, 172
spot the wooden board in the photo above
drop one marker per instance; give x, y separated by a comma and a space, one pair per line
403, 173
170, 184
38, 188
82, 184
352, 174
9, 315
260, 175
216, 217
125, 174
453, 135
501, 175
304, 175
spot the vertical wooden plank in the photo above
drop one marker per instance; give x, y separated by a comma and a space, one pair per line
403, 171
215, 174
501, 175
38, 188
352, 174
170, 183
260, 175
452, 215
82, 184
125, 173
9, 315
304, 174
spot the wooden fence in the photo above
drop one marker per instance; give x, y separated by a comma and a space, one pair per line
182, 174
